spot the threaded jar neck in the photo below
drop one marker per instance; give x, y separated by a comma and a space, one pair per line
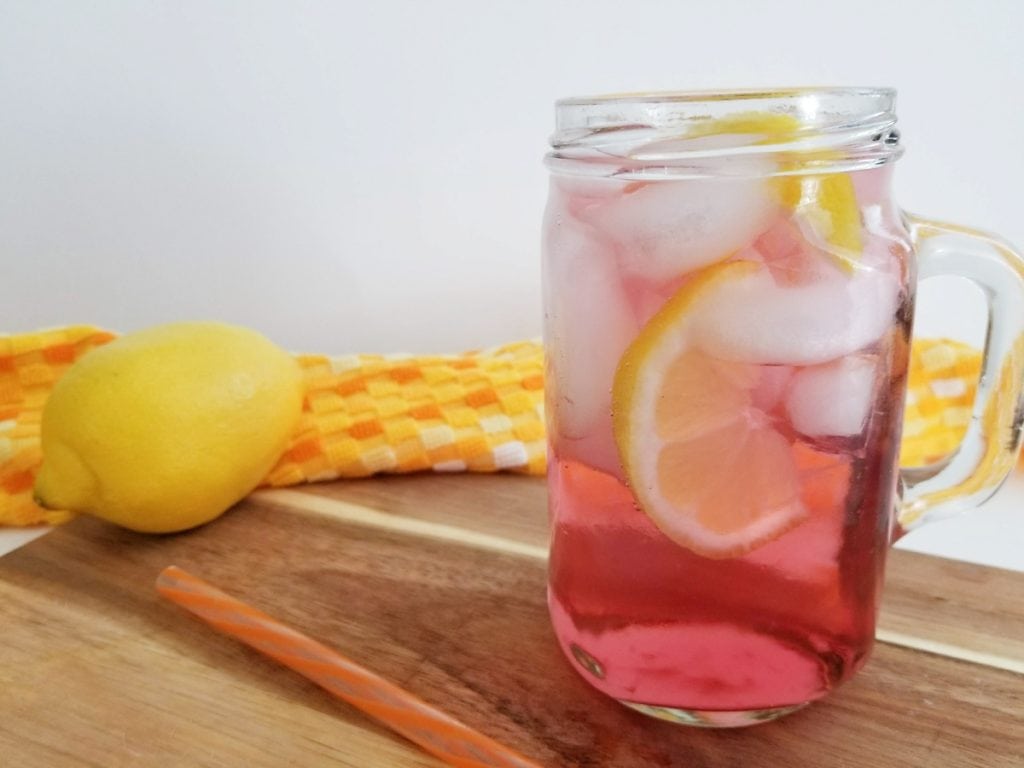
734, 133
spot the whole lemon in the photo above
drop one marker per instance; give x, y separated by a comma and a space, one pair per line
164, 429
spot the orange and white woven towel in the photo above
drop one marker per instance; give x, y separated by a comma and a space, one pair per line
362, 414
366, 414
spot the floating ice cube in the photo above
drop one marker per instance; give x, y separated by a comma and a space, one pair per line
872, 185
808, 553
665, 228
751, 318
832, 400
589, 324
596, 449
703, 147
771, 386
579, 193
648, 299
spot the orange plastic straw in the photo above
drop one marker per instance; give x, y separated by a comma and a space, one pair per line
433, 730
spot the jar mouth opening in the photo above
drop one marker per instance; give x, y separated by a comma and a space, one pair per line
883, 95
709, 133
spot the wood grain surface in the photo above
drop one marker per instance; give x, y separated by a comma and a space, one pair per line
437, 582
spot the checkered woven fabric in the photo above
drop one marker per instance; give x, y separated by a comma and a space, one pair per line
367, 414
362, 414
940, 394
30, 365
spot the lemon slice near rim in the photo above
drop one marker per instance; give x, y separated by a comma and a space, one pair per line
827, 202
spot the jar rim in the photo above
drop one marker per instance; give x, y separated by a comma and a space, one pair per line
695, 132
728, 95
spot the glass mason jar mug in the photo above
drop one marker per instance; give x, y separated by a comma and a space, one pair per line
728, 293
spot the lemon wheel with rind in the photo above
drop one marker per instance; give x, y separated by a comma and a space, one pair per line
705, 464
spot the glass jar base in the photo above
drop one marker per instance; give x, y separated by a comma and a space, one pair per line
713, 718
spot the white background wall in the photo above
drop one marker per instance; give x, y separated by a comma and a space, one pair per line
367, 176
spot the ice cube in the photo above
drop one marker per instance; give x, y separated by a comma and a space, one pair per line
872, 186
810, 552
771, 386
596, 449
647, 299
832, 400
788, 254
578, 193
588, 326
704, 146
665, 228
751, 318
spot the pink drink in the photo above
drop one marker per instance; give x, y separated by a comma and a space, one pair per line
746, 632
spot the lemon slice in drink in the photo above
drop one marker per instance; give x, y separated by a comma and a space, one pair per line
826, 202
703, 461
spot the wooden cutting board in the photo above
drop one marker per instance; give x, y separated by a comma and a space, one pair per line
437, 582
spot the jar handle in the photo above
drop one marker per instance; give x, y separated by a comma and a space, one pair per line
989, 449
